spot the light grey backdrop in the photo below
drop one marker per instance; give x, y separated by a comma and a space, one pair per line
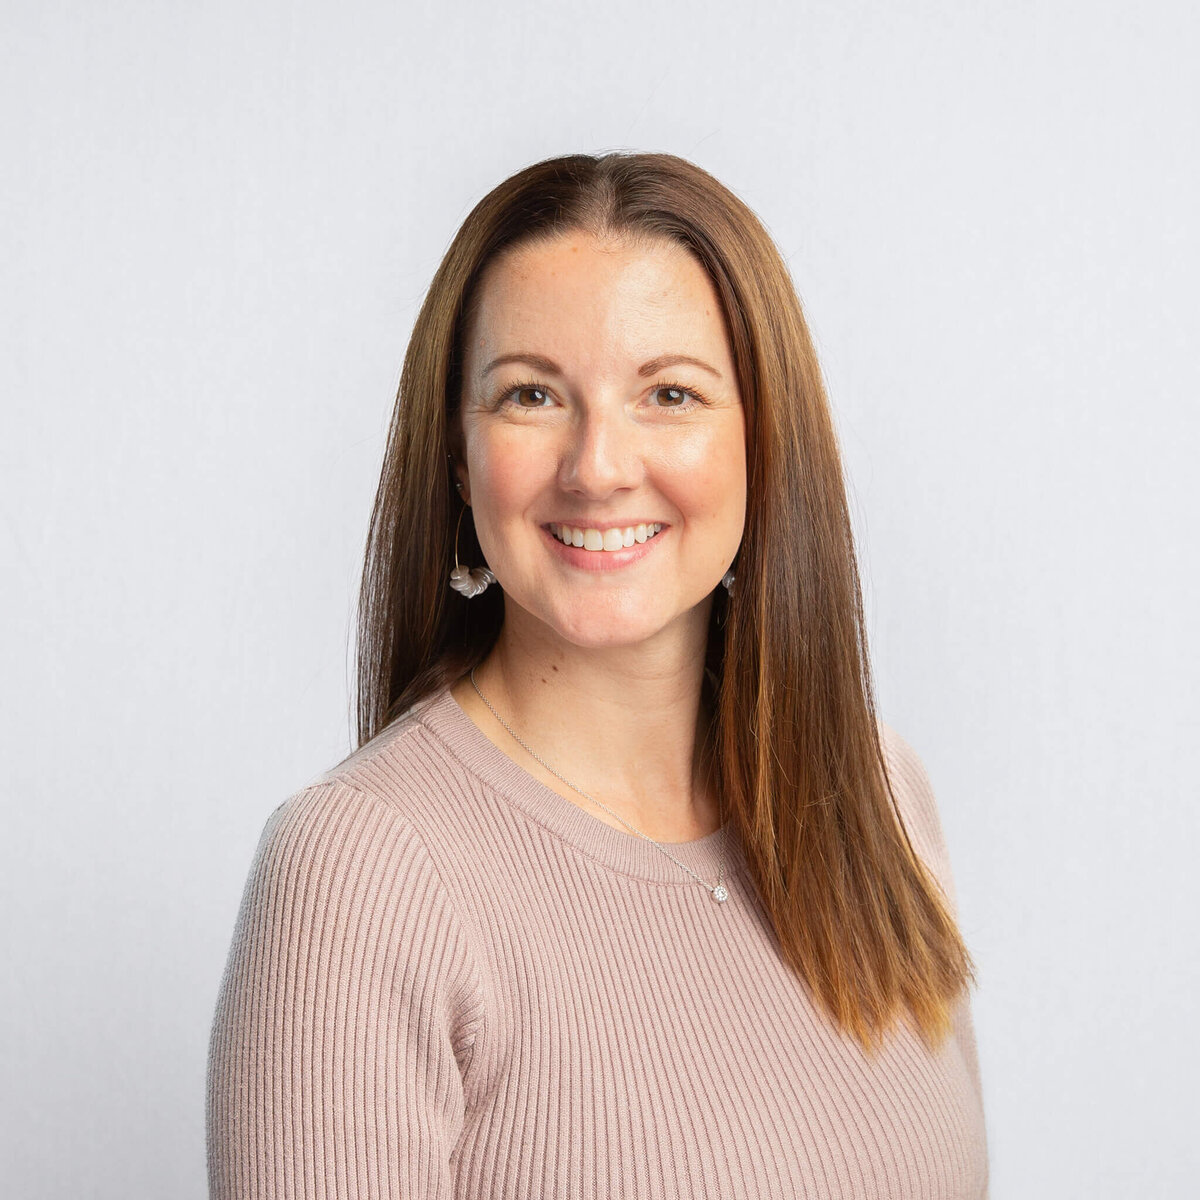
217, 223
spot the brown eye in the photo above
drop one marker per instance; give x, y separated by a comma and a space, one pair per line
537, 393
677, 397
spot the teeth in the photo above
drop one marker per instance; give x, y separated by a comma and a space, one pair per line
611, 539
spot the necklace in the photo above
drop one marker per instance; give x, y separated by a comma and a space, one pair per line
719, 892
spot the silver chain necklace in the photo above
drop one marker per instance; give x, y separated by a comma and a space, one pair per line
719, 891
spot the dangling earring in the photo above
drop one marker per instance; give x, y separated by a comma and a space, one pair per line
727, 580
469, 581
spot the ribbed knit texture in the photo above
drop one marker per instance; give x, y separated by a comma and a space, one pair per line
447, 980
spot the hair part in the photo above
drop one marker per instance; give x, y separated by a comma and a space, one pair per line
794, 734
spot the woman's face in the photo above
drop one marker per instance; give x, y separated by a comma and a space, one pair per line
580, 413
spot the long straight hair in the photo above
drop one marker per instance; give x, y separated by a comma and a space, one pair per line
794, 734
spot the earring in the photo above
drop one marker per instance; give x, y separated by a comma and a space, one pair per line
727, 580
470, 582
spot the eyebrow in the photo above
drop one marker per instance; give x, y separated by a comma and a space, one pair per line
651, 367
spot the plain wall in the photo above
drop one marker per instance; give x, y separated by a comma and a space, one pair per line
216, 225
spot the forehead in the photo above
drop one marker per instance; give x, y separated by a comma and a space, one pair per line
596, 301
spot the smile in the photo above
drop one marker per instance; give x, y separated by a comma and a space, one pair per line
635, 542
607, 540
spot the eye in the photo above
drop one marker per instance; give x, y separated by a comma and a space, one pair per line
536, 394
531, 396
678, 398
520, 393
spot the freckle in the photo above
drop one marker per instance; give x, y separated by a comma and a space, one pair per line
553, 667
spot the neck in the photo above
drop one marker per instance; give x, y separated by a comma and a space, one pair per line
627, 729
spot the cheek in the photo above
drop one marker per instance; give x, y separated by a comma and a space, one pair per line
709, 472
504, 472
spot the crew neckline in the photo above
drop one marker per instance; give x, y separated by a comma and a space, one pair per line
627, 852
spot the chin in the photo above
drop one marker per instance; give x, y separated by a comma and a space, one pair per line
587, 624
598, 635
613, 630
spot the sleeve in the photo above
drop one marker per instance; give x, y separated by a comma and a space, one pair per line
918, 806
346, 1016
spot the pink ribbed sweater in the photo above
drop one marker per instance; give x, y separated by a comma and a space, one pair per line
447, 980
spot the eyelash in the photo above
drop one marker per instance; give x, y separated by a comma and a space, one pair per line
698, 399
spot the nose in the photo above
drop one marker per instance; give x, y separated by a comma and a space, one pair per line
603, 454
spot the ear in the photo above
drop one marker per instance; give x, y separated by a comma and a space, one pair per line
459, 476
456, 453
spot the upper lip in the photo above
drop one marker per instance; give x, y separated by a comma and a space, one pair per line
603, 526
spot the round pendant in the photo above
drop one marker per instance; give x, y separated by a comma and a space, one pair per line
719, 892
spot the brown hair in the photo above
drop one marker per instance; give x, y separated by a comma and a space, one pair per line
794, 733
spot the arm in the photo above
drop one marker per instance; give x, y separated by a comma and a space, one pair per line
346, 1013
919, 809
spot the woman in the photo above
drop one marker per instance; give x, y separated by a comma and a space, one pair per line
626, 890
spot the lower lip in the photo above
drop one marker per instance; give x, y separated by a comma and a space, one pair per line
603, 560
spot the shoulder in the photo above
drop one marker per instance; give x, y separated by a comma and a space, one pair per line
917, 803
344, 909
404, 768
908, 773
372, 804
404, 795
329, 837
390, 742
342, 866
